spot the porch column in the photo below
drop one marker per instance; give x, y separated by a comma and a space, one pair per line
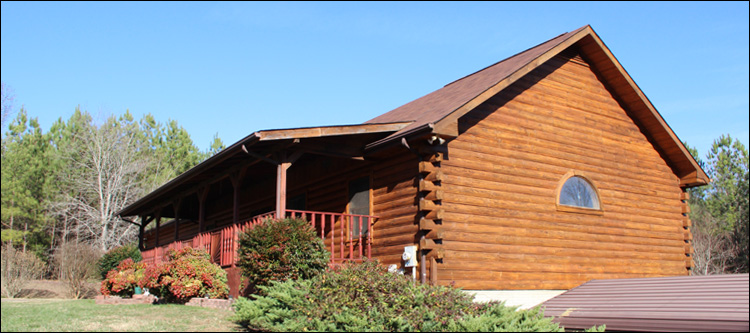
202, 195
236, 179
176, 204
158, 221
141, 231
281, 168
281, 189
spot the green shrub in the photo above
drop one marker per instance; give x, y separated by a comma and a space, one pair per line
365, 297
114, 257
279, 250
496, 317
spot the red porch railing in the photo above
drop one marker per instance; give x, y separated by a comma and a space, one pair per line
349, 237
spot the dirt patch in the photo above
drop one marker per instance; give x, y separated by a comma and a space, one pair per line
55, 289
32, 300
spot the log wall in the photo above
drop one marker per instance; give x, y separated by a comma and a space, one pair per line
394, 197
503, 229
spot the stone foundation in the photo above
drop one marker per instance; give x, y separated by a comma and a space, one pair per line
224, 304
137, 299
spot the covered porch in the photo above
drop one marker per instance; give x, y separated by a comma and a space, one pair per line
321, 174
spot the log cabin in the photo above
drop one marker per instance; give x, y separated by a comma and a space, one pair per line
538, 173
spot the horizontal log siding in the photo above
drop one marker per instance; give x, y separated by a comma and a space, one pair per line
503, 229
394, 202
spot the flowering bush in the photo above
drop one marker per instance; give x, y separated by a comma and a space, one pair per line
122, 280
152, 275
188, 273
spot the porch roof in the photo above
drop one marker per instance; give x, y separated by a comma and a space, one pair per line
344, 141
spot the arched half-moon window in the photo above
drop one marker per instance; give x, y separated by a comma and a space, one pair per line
578, 192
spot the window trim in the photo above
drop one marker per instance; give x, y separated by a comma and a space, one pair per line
576, 209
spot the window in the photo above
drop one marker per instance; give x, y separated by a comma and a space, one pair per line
578, 192
359, 204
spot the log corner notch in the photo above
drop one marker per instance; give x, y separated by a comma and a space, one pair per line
430, 196
688, 235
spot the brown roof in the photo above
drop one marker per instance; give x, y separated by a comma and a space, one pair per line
434, 106
686, 303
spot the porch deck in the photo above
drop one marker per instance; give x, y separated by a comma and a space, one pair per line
340, 233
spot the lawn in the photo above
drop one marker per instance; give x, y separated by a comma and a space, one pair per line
50, 315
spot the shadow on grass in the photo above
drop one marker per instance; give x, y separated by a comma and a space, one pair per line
37, 293
88, 293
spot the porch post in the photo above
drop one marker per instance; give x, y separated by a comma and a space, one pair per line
284, 163
236, 179
202, 194
281, 189
158, 221
141, 231
176, 205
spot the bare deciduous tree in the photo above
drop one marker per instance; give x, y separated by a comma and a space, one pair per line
18, 268
77, 264
6, 93
102, 179
711, 253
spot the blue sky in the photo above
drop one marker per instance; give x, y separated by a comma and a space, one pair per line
234, 68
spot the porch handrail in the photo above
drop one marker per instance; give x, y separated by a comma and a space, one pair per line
361, 239
323, 222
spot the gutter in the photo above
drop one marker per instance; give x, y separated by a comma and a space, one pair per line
386, 142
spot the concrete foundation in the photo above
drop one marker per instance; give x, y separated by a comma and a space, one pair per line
524, 299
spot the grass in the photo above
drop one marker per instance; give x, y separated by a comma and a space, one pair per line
50, 315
